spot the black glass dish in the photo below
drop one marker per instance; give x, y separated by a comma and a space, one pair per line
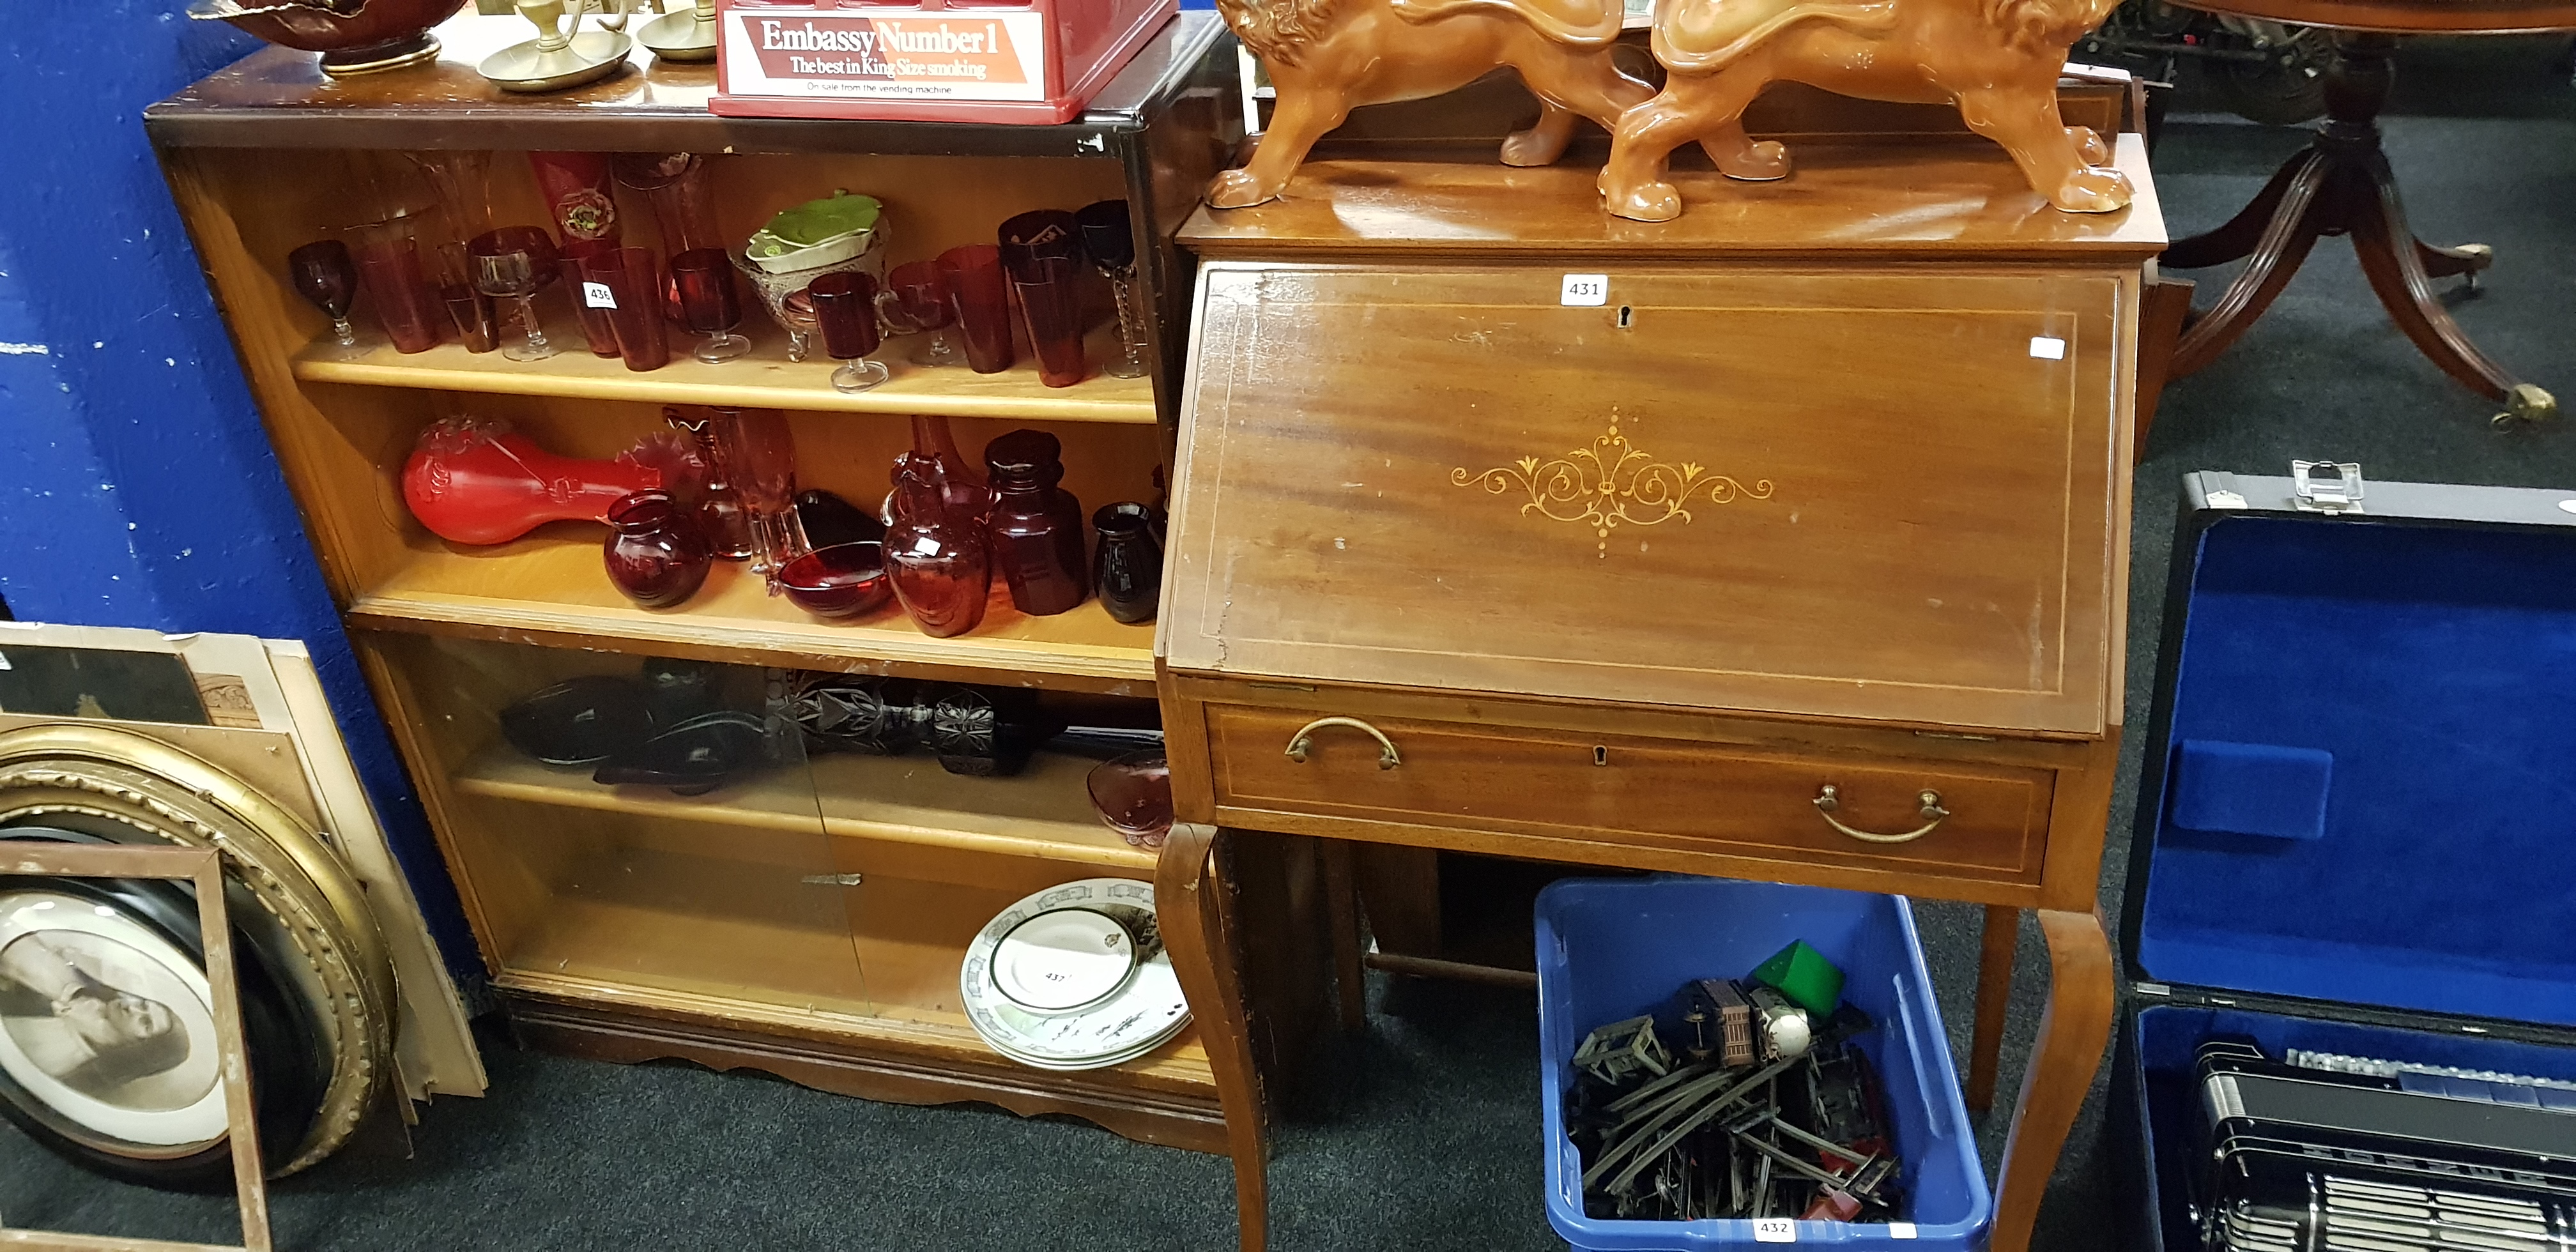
581, 722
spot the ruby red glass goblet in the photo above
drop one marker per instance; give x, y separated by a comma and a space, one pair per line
845, 307
922, 298
325, 274
709, 302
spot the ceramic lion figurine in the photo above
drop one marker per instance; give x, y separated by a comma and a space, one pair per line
1327, 57
1998, 59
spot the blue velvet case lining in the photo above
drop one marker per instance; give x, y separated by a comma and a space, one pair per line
2410, 848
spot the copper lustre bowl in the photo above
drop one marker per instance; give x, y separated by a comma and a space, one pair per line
353, 36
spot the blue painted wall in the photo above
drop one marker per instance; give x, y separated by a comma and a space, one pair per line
136, 485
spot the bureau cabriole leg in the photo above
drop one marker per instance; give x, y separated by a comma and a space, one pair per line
2071, 1036
1994, 999
1195, 914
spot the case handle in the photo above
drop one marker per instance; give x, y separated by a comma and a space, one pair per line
1830, 799
1387, 757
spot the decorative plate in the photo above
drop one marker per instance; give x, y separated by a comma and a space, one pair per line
1063, 960
1140, 1014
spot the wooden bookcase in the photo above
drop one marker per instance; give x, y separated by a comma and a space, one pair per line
628, 923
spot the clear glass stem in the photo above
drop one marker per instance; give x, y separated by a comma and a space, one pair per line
722, 346
779, 540
537, 345
858, 375
344, 332
1130, 361
797, 344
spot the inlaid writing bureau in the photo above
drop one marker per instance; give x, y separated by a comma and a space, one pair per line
1786, 541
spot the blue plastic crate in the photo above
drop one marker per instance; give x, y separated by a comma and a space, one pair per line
1614, 948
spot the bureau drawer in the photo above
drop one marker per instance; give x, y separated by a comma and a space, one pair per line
1673, 795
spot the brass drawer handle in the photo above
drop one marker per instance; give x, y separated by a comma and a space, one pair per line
1386, 757
1830, 799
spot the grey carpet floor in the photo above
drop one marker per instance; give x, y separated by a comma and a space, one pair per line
1426, 1136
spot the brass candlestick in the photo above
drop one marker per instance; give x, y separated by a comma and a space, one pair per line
688, 35
561, 55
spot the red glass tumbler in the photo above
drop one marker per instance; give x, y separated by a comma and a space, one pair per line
983, 295
477, 323
470, 311
1039, 234
630, 281
1051, 299
389, 271
598, 315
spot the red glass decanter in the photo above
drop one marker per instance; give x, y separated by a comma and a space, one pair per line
472, 481
1036, 525
962, 488
942, 572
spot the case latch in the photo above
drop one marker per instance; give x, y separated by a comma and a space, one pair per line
2326, 486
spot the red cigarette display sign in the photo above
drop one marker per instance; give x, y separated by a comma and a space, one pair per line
915, 56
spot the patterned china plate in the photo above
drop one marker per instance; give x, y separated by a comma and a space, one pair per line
1063, 959
1140, 1014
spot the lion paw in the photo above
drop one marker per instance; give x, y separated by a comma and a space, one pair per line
2089, 145
1539, 145
1646, 202
2092, 191
1238, 189
1762, 162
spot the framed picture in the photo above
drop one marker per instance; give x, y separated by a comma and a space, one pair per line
107, 1023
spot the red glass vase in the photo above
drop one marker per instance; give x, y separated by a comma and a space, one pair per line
476, 482
654, 552
575, 186
941, 570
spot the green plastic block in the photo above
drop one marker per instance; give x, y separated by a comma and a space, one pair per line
1805, 976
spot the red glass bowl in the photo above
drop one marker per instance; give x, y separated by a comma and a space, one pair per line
844, 580
1133, 795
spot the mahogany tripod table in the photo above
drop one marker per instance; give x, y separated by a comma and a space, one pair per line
2341, 185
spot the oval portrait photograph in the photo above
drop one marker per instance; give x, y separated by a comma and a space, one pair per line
107, 1022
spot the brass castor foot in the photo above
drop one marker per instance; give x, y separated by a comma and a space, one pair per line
2525, 405
2481, 256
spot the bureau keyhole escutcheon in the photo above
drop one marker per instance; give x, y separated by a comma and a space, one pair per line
1829, 800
